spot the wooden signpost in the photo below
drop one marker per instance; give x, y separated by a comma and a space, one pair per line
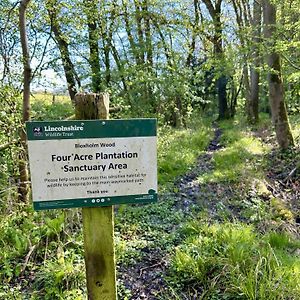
93, 163
98, 223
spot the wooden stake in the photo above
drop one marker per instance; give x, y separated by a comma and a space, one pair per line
98, 223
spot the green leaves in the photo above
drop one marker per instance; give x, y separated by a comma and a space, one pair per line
54, 226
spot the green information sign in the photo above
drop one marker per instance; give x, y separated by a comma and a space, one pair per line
92, 163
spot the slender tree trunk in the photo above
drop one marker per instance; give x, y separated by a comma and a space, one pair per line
167, 50
242, 19
221, 83
219, 55
276, 89
107, 29
94, 59
70, 73
247, 92
254, 71
148, 37
132, 43
140, 32
23, 169
120, 67
195, 30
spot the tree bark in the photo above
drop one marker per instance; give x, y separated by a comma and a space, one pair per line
140, 32
128, 27
242, 19
70, 73
221, 83
167, 50
195, 31
107, 29
23, 169
254, 71
94, 59
148, 36
276, 89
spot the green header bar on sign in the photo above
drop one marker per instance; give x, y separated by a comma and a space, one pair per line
54, 130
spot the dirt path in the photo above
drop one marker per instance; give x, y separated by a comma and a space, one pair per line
145, 279
190, 191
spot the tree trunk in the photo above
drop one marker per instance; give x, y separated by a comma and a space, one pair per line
94, 59
195, 31
222, 97
276, 89
221, 83
140, 32
128, 28
167, 50
242, 19
148, 35
70, 73
107, 29
247, 92
254, 72
219, 55
23, 187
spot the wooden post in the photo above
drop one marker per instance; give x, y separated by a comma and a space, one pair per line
98, 223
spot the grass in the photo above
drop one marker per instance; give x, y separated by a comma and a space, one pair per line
232, 261
235, 260
178, 149
240, 156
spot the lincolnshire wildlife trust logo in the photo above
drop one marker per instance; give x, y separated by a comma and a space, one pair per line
37, 131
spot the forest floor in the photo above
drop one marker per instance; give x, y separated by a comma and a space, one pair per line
226, 225
275, 192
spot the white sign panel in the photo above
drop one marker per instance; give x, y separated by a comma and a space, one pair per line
99, 171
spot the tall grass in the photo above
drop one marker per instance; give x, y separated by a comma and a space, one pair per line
231, 261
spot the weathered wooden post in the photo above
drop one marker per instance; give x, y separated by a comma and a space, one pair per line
98, 223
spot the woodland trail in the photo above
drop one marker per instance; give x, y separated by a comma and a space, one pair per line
218, 201
145, 279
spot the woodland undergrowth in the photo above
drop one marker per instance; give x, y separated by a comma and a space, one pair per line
226, 225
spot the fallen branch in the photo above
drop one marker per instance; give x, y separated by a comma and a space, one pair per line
31, 249
150, 267
291, 174
72, 117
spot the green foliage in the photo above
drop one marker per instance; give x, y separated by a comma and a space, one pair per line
141, 228
178, 149
10, 124
45, 248
62, 278
239, 157
38, 248
42, 252
279, 211
230, 261
43, 108
295, 124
